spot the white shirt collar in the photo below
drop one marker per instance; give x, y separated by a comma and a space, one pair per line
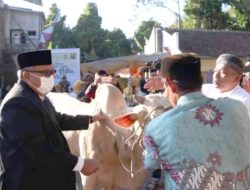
225, 94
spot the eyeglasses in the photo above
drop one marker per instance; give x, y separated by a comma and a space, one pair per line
46, 73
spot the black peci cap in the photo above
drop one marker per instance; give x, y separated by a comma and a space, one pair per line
34, 58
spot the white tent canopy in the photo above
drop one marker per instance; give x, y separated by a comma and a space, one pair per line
112, 65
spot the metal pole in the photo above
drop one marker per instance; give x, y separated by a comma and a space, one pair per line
179, 14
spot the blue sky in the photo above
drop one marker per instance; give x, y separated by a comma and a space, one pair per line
115, 13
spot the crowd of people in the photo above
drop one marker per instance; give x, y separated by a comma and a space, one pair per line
201, 143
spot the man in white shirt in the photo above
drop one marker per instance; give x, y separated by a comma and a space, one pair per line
227, 75
226, 80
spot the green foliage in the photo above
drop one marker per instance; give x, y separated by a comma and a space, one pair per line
205, 14
144, 32
52, 14
243, 6
88, 33
94, 42
117, 44
210, 14
217, 14
63, 36
189, 22
240, 13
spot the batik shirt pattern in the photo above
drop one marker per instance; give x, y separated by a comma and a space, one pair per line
202, 144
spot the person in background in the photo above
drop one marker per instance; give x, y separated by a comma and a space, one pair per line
143, 91
87, 80
227, 76
246, 76
117, 81
34, 152
64, 84
100, 77
77, 87
128, 93
90, 91
202, 143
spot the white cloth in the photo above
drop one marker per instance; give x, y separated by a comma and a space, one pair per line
79, 165
237, 93
73, 94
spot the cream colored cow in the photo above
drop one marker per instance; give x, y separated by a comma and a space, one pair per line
64, 103
118, 151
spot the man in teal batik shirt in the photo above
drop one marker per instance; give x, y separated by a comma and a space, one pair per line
202, 143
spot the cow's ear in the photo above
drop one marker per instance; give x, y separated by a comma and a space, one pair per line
125, 121
139, 99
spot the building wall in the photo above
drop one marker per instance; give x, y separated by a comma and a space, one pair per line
29, 22
1, 4
171, 41
19, 19
150, 45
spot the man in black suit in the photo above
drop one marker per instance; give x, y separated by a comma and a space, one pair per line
34, 152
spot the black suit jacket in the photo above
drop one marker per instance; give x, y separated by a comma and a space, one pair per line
34, 152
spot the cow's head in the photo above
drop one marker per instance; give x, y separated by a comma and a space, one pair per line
150, 106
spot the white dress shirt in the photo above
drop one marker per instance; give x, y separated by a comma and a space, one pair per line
236, 93
79, 165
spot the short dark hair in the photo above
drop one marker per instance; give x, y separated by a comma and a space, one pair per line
184, 69
102, 73
231, 61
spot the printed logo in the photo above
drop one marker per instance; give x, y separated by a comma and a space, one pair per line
208, 114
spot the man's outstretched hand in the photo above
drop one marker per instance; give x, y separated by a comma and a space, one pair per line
154, 83
90, 166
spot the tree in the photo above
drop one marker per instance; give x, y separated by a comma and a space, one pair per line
89, 34
117, 44
164, 4
211, 14
240, 12
51, 16
93, 41
143, 33
62, 36
241, 5
205, 15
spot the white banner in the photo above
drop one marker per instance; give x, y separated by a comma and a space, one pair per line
66, 62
